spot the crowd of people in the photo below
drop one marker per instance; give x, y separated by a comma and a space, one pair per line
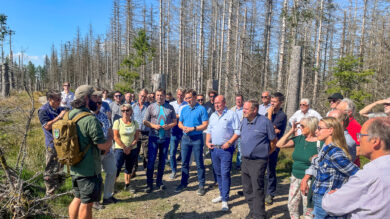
326, 177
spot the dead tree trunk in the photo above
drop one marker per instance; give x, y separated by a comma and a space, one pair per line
318, 56
5, 80
294, 80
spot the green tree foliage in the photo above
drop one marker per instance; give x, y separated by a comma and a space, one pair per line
350, 80
31, 70
131, 65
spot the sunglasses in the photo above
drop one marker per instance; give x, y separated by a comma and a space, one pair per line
302, 104
262, 97
200, 99
66, 85
125, 111
100, 103
211, 96
332, 101
117, 95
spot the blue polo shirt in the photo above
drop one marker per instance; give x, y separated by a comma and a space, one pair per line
193, 116
45, 114
222, 128
256, 137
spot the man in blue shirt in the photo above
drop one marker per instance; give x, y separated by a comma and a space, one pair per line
48, 114
222, 132
139, 110
193, 120
160, 117
257, 132
265, 99
177, 133
279, 120
238, 109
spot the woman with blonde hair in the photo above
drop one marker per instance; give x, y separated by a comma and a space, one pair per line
305, 147
333, 165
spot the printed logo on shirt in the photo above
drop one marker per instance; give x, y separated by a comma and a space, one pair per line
56, 133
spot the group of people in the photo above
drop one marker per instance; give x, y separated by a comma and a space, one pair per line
325, 175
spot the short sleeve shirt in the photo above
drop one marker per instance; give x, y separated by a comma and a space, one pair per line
126, 132
116, 111
223, 127
139, 115
66, 99
90, 132
46, 114
256, 137
193, 116
160, 114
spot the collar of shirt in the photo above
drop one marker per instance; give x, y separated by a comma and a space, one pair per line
254, 120
223, 112
192, 108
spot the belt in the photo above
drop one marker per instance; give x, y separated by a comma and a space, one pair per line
217, 146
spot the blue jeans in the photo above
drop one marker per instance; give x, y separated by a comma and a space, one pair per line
319, 212
238, 159
175, 139
160, 146
189, 144
271, 172
222, 163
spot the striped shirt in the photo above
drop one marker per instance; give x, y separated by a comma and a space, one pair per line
334, 169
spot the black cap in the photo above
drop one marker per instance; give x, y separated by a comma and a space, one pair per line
336, 96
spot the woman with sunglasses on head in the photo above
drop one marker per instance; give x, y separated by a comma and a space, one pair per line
126, 133
305, 147
333, 166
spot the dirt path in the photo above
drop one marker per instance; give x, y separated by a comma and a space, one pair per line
187, 204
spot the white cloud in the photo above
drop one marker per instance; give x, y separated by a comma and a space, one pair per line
36, 60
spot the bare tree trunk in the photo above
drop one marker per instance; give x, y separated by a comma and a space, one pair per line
242, 46
282, 45
228, 50
361, 47
236, 51
303, 71
201, 48
5, 80
318, 54
221, 49
160, 69
267, 37
294, 81
180, 64
342, 45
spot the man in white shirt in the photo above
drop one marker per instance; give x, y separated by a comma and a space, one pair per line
304, 111
365, 195
67, 96
266, 100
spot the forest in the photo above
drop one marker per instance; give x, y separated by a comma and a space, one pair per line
233, 46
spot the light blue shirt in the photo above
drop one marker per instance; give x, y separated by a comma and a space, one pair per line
263, 109
178, 107
138, 115
239, 112
222, 128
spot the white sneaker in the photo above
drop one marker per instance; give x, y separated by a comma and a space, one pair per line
225, 206
216, 200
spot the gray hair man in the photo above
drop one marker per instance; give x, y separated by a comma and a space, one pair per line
304, 111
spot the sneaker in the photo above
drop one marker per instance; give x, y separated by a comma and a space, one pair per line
110, 200
172, 176
161, 187
97, 206
269, 200
131, 188
148, 189
180, 188
217, 199
225, 206
201, 191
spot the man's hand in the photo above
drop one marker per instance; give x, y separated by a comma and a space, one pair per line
385, 101
165, 127
314, 156
133, 143
226, 145
271, 110
209, 145
332, 191
304, 187
157, 127
277, 131
188, 129
61, 115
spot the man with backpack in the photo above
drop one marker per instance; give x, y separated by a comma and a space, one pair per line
48, 114
86, 177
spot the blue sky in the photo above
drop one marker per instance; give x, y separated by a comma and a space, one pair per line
40, 23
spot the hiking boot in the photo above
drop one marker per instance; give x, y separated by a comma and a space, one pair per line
269, 200
201, 191
97, 206
180, 188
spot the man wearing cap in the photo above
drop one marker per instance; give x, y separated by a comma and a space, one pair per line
67, 96
48, 114
86, 175
334, 100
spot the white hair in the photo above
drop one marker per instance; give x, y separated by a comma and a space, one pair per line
306, 100
350, 105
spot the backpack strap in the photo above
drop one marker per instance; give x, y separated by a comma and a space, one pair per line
76, 119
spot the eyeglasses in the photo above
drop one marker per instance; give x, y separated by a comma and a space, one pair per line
100, 103
117, 95
319, 128
125, 111
360, 135
262, 97
332, 101
200, 100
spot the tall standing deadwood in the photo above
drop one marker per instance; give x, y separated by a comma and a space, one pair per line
201, 53
221, 48
160, 69
267, 37
167, 71
282, 46
236, 86
5, 87
181, 39
318, 55
242, 46
342, 43
229, 51
294, 80
363, 30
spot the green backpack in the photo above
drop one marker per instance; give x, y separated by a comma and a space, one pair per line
66, 141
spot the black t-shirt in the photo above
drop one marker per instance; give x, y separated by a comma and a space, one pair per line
279, 119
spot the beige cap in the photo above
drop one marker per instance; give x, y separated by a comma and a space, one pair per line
83, 90
98, 93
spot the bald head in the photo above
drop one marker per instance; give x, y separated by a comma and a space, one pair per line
266, 97
341, 116
219, 104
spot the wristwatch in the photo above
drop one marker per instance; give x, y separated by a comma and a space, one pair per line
195, 128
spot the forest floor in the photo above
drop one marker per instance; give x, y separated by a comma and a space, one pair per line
187, 204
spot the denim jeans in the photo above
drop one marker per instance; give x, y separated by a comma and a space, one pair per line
175, 139
160, 146
271, 172
189, 144
222, 163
